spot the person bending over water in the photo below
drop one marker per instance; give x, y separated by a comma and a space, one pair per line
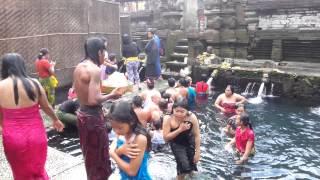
92, 130
124, 122
231, 127
181, 130
244, 139
227, 101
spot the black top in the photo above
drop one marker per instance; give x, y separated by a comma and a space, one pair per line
69, 106
185, 138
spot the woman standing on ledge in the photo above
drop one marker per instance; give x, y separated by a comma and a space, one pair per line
24, 135
45, 70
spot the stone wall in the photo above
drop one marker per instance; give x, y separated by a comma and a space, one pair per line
292, 26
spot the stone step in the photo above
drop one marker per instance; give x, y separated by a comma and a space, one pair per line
176, 64
167, 75
181, 49
182, 42
179, 55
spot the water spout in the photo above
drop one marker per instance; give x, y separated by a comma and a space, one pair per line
252, 88
258, 99
246, 91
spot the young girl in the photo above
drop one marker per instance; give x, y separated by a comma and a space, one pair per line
181, 130
125, 123
157, 136
244, 138
231, 127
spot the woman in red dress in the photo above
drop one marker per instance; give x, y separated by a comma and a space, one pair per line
24, 135
227, 101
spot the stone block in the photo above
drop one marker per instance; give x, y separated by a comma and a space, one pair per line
227, 35
212, 35
214, 23
228, 52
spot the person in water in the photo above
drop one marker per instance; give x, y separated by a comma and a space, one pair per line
227, 101
244, 139
231, 127
157, 140
91, 125
124, 122
24, 135
181, 130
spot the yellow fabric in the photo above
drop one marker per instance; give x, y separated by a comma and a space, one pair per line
54, 81
130, 59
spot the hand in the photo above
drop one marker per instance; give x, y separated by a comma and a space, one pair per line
223, 110
118, 92
53, 63
196, 157
58, 125
184, 126
241, 161
131, 150
112, 148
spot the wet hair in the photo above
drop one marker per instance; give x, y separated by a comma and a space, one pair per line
152, 31
13, 65
244, 118
166, 96
43, 52
122, 111
157, 124
171, 82
150, 83
163, 104
241, 105
92, 47
137, 101
183, 82
112, 56
126, 39
180, 102
231, 88
203, 77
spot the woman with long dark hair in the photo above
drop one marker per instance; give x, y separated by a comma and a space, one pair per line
181, 130
244, 138
124, 122
45, 70
24, 135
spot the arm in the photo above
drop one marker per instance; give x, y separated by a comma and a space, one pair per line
131, 168
247, 152
94, 95
196, 133
47, 108
167, 135
148, 47
131, 150
217, 104
240, 99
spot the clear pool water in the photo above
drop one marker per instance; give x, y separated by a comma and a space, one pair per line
287, 143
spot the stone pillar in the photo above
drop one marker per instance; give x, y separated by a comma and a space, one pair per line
190, 15
276, 50
195, 47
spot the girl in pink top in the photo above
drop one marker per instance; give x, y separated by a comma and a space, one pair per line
244, 138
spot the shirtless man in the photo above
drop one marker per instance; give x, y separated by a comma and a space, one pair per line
92, 130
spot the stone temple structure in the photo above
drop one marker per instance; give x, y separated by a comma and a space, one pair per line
281, 34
